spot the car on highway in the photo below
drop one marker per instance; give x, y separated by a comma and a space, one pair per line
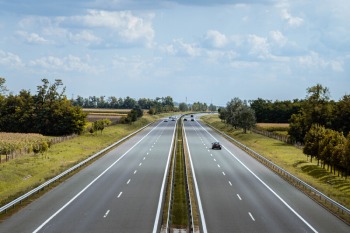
216, 145
192, 119
185, 119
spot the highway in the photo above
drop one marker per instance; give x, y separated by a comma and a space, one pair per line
238, 194
120, 192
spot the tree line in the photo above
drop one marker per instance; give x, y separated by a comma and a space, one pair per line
47, 112
268, 111
155, 106
329, 147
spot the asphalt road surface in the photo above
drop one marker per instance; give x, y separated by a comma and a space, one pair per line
238, 194
120, 192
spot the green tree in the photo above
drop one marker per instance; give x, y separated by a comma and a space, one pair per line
345, 161
232, 109
223, 114
316, 109
313, 139
246, 118
332, 146
212, 108
183, 107
341, 121
3, 88
100, 125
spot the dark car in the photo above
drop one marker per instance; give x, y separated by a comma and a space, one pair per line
216, 145
192, 119
185, 119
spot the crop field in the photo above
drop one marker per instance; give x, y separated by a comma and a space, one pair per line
272, 127
106, 111
11, 142
114, 115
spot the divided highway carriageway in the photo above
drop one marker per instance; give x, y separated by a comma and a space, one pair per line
123, 191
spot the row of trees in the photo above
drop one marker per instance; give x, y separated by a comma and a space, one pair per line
158, 105
238, 114
48, 112
329, 147
268, 111
317, 108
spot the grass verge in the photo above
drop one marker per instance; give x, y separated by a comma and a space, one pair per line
291, 159
179, 211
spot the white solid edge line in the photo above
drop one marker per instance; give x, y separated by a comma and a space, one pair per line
201, 213
156, 221
268, 187
93, 181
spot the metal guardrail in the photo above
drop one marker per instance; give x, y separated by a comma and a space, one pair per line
291, 178
47, 183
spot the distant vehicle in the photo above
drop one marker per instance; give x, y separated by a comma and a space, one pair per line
192, 119
216, 145
185, 119
173, 119
165, 120
191, 115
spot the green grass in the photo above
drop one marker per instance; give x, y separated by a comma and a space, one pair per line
291, 159
180, 208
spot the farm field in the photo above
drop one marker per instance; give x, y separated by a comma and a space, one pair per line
291, 159
114, 115
20, 142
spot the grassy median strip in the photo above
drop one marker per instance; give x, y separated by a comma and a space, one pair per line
290, 159
179, 211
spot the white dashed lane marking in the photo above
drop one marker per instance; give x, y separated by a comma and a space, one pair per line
135, 171
239, 197
251, 216
120, 194
128, 181
106, 214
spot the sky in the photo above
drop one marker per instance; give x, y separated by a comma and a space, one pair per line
192, 50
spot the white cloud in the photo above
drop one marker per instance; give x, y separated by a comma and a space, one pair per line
10, 59
278, 37
316, 61
217, 39
84, 36
129, 27
179, 47
259, 46
292, 21
69, 63
32, 38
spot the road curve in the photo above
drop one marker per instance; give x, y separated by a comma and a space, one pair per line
120, 192
238, 194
